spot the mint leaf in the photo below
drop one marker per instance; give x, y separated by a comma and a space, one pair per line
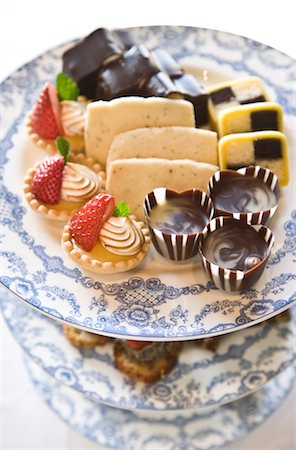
66, 87
121, 210
64, 147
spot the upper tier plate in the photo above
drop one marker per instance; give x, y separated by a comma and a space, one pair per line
161, 300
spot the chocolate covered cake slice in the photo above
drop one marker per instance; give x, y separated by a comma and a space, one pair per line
251, 117
185, 86
267, 149
236, 92
83, 61
126, 75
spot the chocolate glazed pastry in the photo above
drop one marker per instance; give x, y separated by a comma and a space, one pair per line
127, 75
83, 61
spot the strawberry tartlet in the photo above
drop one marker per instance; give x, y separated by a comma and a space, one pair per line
105, 238
59, 111
146, 361
56, 187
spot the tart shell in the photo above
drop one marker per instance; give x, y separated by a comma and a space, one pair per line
49, 145
45, 209
94, 265
83, 339
147, 372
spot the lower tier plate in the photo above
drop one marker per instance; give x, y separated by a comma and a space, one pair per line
162, 430
208, 372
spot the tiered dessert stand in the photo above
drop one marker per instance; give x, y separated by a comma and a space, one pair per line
213, 395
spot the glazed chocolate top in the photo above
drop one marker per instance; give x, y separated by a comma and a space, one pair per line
242, 194
178, 216
235, 246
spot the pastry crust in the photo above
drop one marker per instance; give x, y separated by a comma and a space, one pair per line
49, 145
46, 210
82, 338
148, 372
94, 265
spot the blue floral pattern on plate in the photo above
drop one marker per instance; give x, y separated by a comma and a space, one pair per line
208, 372
205, 430
158, 300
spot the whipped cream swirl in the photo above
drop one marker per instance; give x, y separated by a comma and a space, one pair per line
121, 236
79, 183
73, 117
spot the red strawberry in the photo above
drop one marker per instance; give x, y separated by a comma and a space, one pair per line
87, 222
47, 181
137, 345
45, 117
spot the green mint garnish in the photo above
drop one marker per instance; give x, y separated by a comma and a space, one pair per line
64, 147
121, 210
66, 87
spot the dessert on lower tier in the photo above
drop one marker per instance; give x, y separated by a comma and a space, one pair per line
267, 149
165, 142
131, 179
146, 361
84, 339
251, 117
105, 239
236, 92
176, 219
59, 111
106, 119
250, 194
57, 187
234, 254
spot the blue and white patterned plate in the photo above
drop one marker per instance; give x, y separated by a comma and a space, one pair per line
238, 365
127, 430
161, 300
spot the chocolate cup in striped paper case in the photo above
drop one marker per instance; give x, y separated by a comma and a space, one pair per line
176, 219
250, 194
233, 253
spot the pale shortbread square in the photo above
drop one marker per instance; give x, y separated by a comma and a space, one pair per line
165, 143
106, 119
131, 179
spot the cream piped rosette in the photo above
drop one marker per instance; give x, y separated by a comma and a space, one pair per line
73, 116
83, 178
124, 239
121, 236
79, 183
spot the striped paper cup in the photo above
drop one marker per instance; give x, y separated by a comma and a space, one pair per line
262, 216
170, 243
231, 279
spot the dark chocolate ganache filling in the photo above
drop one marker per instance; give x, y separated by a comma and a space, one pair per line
178, 216
243, 194
235, 246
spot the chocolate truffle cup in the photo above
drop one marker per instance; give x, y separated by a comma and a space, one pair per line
174, 246
270, 180
230, 279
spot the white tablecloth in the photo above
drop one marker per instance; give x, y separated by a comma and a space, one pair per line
27, 29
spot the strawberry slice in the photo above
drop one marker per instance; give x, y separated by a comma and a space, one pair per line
47, 181
137, 345
87, 222
45, 117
